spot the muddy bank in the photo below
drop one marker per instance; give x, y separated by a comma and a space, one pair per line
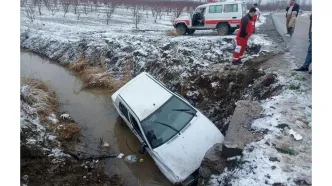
187, 65
45, 137
98, 119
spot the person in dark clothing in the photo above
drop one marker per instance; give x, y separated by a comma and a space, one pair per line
245, 31
291, 8
308, 59
198, 17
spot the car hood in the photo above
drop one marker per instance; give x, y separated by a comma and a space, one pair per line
185, 17
184, 153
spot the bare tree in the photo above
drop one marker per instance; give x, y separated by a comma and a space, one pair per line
156, 12
136, 15
30, 11
78, 14
85, 5
53, 7
39, 4
23, 2
110, 7
47, 3
65, 6
178, 11
75, 5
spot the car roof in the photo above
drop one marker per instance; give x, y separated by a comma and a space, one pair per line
144, 95
220, 3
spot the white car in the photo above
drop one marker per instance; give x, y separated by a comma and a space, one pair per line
174, 133
224, 16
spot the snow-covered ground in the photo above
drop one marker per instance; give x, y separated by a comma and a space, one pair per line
175, 59
284, 154
35, 132
169, 58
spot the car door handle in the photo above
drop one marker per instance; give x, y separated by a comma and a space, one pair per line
234, 17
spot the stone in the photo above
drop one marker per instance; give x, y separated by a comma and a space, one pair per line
238, 135
213, 162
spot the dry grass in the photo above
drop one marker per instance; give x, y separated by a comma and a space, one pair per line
95, 76
39, 96
36, 83
79, 65
68, 132
172, 33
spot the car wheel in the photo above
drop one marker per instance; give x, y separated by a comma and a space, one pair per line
191, 31
181, 29
222, 29
232, 30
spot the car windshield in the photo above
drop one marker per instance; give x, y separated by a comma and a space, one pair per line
167, 121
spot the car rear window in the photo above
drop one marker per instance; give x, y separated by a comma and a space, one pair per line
231, 8
215, 9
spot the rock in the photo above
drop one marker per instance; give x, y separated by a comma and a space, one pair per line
274, 159
213, 162
300, 124
267, 80
237, 135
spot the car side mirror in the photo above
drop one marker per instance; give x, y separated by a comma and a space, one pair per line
142, 149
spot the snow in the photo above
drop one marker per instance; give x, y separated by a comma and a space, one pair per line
34, 131
306, 14
56, 152
52, 118
64, 39
262, 19
61, 38
65, 116
292, 108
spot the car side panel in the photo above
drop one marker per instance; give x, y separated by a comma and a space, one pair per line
212, 19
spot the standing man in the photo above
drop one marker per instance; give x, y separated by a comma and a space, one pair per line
308, 59
291, 8
245, 31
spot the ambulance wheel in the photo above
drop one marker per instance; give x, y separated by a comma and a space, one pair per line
191, 31
222, 29
181, 29
232, 30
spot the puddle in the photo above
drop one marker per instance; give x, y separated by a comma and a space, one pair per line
92, 109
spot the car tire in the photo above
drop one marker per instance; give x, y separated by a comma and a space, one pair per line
231, 31
222, 29
181, 29
191, 31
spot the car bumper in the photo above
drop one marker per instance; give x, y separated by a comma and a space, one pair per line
190, 180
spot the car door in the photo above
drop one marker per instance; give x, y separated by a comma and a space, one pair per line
214, 16
232, 13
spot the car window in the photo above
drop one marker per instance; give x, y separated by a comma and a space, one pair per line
215, 9
123, 110
230, 8
200, 10
166, 121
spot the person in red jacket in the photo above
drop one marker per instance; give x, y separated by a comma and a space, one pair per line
245, 31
